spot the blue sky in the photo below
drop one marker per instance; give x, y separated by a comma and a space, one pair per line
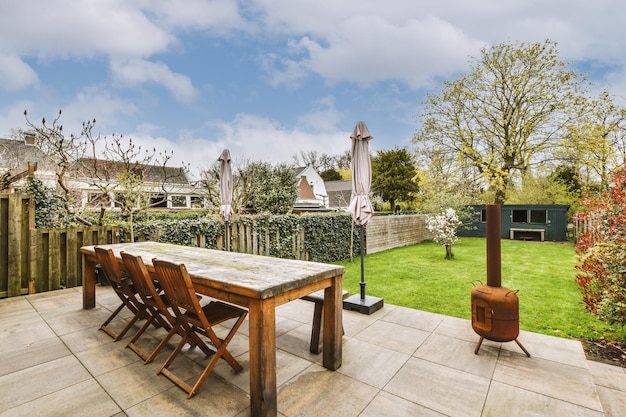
270, 78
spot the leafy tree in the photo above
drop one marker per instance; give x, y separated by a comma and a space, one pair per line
503, 116
595, 144
274, 189
444, 227
601, 252
394, 176
331, 175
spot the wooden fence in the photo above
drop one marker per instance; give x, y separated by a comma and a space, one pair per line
36, 260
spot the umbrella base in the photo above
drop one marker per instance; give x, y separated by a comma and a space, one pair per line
368, 305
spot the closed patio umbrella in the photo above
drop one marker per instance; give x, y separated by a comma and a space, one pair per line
362, 211
226, 192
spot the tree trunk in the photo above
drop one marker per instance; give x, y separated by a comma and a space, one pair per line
449, 254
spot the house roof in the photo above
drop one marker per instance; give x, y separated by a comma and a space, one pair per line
339, 193
151, 173
17, 153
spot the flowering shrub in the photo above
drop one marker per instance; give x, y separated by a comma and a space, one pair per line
601, 252
444, 226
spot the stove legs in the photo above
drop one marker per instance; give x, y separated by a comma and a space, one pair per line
480, 342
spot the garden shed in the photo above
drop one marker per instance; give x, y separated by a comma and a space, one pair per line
538, 222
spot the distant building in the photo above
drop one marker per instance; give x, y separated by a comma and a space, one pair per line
17, 155
339, 194
169, 186
312, 195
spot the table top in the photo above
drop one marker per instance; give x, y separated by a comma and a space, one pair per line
239, 273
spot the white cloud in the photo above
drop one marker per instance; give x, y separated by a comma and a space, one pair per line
323, 118
77, 28
15, 74
138, 71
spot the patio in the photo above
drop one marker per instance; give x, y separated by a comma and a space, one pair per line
396, 362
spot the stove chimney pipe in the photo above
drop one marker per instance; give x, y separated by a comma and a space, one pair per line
494, 270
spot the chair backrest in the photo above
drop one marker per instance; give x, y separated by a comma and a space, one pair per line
144, 285
177, 285
110, 266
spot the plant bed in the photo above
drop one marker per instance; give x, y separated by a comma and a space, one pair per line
610, 352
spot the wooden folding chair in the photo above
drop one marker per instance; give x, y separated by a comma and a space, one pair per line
195, 319
123, 287
154, 301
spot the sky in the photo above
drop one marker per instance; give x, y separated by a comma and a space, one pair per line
268, 79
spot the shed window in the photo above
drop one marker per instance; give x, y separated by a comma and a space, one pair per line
529, 216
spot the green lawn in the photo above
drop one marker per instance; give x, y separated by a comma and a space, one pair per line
420, 277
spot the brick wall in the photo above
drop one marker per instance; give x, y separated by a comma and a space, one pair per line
386, 232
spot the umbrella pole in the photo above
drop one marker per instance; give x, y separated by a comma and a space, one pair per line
362, 239
226, 239
360, 302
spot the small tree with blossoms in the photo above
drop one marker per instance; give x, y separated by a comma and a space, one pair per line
601, 252
444, 226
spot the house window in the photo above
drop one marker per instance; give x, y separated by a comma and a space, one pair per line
158, 200
197, 202
179, 201
483, 216
530, 216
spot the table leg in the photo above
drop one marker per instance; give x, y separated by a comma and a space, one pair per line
263, 389
333, 328
89, 282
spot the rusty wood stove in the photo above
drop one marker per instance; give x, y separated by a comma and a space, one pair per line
495, 309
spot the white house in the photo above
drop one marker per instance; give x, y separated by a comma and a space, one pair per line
312, 195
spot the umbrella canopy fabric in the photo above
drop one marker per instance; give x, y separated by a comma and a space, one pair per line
226, 185
360, 206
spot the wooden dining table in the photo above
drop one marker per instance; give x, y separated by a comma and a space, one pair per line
258, 283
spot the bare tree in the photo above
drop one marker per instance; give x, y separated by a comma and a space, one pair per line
64, 151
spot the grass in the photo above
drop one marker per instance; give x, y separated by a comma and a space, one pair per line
420, 277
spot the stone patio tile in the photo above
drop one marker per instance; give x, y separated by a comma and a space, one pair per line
440, 388
386, 404
23, 332
215, 398
510, 401
417, 319
319, 392
556, 349
287, 366
393, 336
297, 342
108, 357
563, 382
22, 356
459, 354
55, 300
130, 385
73, 318
613, 401
16, 308
608, 376
369, 363
84, 398
28, 384
355, 322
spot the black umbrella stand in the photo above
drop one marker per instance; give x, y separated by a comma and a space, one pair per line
362, 303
